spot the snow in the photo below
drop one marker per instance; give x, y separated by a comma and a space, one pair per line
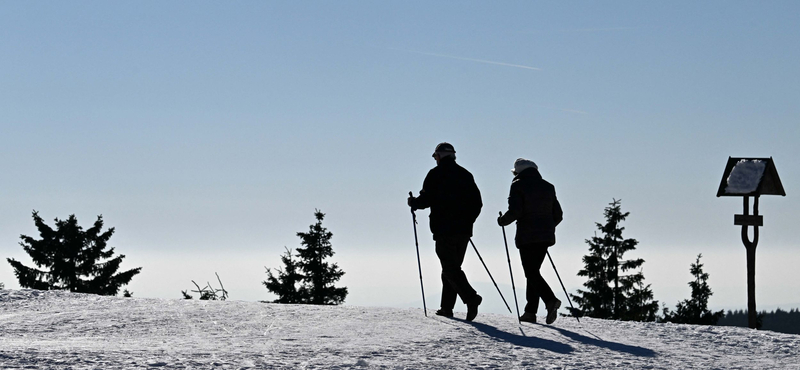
745, 176
60, 330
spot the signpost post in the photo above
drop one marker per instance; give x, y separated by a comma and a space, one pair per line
750, 177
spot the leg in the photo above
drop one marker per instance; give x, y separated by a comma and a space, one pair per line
451, 251
448, 295
532, 257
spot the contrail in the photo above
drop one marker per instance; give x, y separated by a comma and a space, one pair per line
576, 111
600, 29
572, 111
469, 59
581, 30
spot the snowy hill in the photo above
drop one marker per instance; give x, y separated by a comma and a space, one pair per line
57, 330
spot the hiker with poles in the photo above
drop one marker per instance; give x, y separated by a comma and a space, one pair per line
449, 190
532, 203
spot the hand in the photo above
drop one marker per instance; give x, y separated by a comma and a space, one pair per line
411, 200
500, 221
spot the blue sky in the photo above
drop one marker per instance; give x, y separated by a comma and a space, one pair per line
208, 133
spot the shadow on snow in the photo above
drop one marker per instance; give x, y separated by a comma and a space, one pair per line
613, 346
522, 340
563, 348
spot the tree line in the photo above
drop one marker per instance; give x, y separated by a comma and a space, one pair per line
778, 320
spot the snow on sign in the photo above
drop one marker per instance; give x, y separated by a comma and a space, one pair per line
745, 176
750, 177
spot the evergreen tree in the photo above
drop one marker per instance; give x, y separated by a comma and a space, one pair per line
316, 276
695, 310
640, 305
611, 294
69, 258
285, 284
319, 276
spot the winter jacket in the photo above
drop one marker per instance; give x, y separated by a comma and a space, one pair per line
455, 201
533, 204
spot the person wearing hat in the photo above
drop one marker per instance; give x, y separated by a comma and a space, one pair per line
455, 202
533, 204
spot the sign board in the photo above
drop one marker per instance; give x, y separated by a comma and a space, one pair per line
750, 177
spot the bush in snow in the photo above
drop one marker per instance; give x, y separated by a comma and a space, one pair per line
610, 294
308, 279
69, 258
208, 293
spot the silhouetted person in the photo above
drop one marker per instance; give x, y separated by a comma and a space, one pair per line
532, 203
455, 202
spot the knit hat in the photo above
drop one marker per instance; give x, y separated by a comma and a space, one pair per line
522, 164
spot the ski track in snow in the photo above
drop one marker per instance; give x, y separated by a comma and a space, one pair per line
62, 330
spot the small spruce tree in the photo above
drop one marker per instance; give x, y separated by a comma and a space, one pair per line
69, 258
315, 276
610, 293
640, 304
695, 310
285, 283
320, 276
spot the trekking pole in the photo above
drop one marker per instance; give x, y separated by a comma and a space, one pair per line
490, 275
419, 264
562, 285
513, 289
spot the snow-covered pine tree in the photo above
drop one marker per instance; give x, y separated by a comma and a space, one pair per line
72, 259
285, 283
695, 310
610, 293
319, 276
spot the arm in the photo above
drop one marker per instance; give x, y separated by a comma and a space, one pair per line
424, 199
558, 214
477, 202
516, 204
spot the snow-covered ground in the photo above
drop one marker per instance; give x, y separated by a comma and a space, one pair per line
55, 330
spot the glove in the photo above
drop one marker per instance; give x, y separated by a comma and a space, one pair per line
411, 202
500, 221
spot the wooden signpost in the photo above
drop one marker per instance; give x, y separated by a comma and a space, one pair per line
750, 177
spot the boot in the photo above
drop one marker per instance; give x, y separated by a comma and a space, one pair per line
528, 317
552, 310
472, 307
445, 313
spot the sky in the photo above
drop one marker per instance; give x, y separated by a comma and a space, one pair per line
207, 134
